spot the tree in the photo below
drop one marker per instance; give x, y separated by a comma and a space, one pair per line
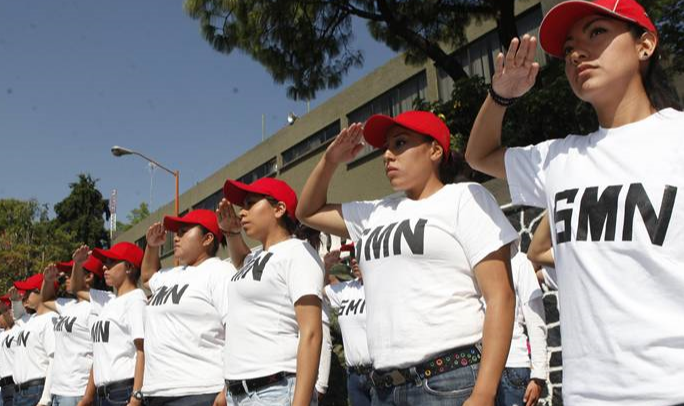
134, 217
309, 43
83, 213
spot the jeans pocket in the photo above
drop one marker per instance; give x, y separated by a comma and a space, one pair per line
277, 394
458, 383
516, 377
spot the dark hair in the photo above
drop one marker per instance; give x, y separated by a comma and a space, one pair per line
454, 168
215, 245
98, 282
658, 88
298, 229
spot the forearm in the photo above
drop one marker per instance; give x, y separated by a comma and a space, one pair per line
484, 151
150, 264
540, 250
139, 370
496, 341
90, 392
308, 355
47, 291
237, 248
315, 192
77, 279
535, 321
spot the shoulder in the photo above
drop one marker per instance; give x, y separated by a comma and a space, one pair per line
217, 266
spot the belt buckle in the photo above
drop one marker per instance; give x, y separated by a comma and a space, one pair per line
397, 378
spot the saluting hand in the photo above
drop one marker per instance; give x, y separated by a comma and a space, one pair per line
228, 220
50, 273
14, 294
156, 235
330, 259
81, 254
347, 145
515, 73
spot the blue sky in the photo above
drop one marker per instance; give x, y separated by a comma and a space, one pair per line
79, 76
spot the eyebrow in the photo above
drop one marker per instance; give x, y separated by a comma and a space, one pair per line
586, 27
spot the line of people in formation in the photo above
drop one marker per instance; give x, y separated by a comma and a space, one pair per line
248, 331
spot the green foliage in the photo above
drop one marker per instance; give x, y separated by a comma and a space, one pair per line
134, 217
669, 17
82, 214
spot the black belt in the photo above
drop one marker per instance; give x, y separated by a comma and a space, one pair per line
6, 381
361, 369
105, 389
25, 385
445, 362
238, 387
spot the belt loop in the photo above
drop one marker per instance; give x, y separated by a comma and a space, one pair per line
415, 376
245, 387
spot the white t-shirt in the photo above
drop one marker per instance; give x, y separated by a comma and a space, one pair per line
185, 331
262, 330
417, 259
73, 348
617, 223
349, 301
118, 321
34, 345
529, 313
7, 351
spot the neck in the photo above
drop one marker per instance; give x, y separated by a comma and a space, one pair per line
201, 258
426, 189
278, 234
630, 106
125, 287
40, 309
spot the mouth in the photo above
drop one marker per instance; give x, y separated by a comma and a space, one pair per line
584, 69
390, 169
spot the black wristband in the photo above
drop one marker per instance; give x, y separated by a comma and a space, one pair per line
500, 100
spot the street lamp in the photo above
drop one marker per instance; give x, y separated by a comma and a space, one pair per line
118, 151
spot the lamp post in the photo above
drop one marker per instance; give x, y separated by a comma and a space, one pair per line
118, 151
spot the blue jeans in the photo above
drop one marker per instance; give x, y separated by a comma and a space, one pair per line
59, 400
191, 400
8, 394
512, 387
358, 389
448, 389
29, 396
277, 394
115, 397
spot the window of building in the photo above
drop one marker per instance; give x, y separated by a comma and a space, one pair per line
262, 171
477, 58
211, 202
393, 102
311, 143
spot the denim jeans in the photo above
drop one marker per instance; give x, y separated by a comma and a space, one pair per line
358, 389
280, 393
29, 396
191, 400
448, 389
7, 394
512, 387
59, 400
115, 397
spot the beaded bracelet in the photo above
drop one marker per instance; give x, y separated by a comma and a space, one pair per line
500, 100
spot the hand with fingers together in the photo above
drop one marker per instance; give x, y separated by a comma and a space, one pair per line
81, 254
14, 294
347, 145
50, 273
514, 74
156, 235
228, 220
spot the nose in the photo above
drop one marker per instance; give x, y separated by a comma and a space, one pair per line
387, 155
577, 56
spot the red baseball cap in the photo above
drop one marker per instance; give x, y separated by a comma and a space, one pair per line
65, 266
94, 265
123, 251
555, 26
423, 122
236, 192
30, 283
202, 217
6, 300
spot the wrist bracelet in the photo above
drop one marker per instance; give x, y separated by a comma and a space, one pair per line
500, 100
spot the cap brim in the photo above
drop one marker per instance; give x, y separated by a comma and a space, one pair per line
104, 255
174, 223
236, 191
555, 26
25, 286
65, 267
375, 129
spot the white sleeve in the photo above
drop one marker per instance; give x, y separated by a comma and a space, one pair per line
304, 274
98, 298
532, 305
481, 227
46, 397
355, 215
153, 282
326, 351
218, 289
48, 336
525, 173
136, 317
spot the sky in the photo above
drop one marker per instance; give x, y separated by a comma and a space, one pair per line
79, 76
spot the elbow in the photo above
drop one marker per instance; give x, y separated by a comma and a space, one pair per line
472, 159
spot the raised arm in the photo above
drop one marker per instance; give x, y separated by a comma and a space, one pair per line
156, 236
313, 208
230, 226
511, 80
78, 285
47, 292
540, 251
